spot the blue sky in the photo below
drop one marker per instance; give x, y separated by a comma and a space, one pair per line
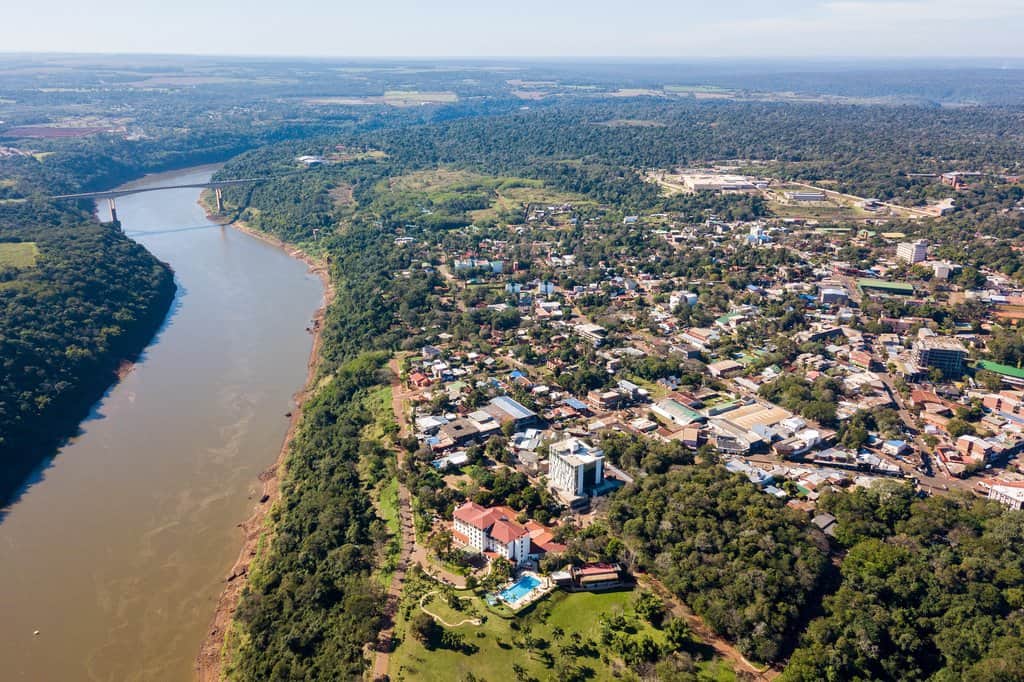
641, 28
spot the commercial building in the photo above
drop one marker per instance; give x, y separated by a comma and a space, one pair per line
575, 468
941, 352
809, 195
912, 252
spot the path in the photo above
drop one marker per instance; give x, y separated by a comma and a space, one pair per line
722, 647
407, 538
442, 621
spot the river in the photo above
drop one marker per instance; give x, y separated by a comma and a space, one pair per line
117, 549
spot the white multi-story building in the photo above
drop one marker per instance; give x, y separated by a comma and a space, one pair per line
1008, 496
912, 252
574, 467
488, 529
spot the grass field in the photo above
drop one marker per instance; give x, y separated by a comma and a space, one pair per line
510, 193
499, 641
18, 255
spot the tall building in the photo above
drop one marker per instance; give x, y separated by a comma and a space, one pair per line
912, 252
941, 352
490, 529
575, 467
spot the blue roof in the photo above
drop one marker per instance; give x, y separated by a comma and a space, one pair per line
516, 374
575, 403
896, 443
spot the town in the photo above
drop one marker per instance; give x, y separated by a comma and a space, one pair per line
807, 359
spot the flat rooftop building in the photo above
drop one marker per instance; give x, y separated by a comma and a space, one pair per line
575, 467
941, 352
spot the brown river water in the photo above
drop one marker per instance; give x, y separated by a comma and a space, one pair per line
116, 550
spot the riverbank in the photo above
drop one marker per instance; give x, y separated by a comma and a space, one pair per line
209, 660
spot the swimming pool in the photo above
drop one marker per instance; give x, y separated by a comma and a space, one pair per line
519, 590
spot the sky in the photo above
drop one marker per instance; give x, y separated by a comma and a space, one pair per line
522, 28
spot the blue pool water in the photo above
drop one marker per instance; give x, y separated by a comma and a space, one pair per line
515, 592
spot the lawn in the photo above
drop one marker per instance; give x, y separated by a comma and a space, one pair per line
18, 255
557, 625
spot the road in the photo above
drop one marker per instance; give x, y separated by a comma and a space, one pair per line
407, 538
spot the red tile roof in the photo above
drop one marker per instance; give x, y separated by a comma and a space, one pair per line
496, 521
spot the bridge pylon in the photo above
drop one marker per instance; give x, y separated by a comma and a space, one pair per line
218, 193
113, 211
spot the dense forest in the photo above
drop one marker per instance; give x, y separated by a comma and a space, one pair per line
742, 560
931, 589
92, 299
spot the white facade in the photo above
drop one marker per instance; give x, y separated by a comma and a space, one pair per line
491, 530
575, 467
1007, 496
912, 252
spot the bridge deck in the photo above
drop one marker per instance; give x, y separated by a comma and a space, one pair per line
113, 194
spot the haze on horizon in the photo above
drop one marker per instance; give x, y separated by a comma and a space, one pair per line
530, 28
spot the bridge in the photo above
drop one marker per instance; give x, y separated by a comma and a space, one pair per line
110, 195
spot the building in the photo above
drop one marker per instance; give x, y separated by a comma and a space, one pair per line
974, 448
707, 182
1009, 495
575, 468
912, 252
675, 412
680, 297
941, 352
809, 195
505, 409
490, 529
594, 333
833, 296
703, 339
723, 369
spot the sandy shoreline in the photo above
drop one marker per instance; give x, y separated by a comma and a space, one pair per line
208, 662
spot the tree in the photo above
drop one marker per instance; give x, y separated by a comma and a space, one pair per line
957, 427
426, 630
677, 634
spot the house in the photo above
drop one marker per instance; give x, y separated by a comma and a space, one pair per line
490, 529
420, 380
974, 448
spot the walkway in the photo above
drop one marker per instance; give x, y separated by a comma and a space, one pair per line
723, 648
407, 538
442, 621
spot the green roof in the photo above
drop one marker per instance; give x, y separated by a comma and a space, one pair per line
1006, 370
893, 287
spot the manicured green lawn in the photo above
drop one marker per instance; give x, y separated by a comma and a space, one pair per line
18, 254
498, 644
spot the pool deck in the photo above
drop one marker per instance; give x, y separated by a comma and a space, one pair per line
545, 587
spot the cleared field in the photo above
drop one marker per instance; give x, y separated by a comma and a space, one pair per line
415, 97
48, 132
342, 195
18, 255
439, 179
507, 193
